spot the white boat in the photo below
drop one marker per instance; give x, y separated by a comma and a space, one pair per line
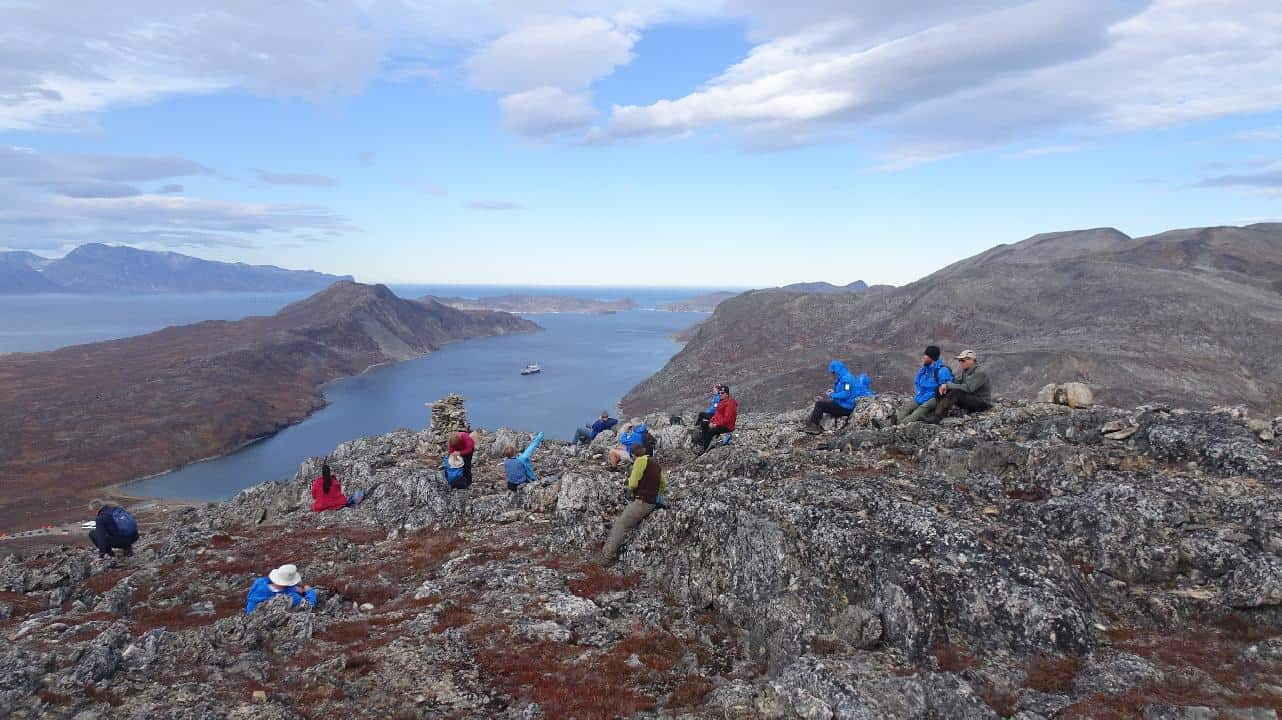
531, 369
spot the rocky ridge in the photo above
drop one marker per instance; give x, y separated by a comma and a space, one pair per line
1189, 317
1036, 561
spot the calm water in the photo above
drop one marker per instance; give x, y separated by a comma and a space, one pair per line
30, 323
589, 362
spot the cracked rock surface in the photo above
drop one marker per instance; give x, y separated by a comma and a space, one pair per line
1036, 561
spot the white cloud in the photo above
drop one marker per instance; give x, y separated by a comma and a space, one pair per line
546, 111
52, 200
565, 53
934, 79
62, 59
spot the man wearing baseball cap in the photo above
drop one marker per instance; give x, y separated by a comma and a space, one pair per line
969, 391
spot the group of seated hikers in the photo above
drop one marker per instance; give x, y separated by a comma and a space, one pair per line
937, 390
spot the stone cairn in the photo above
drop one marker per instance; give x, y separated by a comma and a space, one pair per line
448, 416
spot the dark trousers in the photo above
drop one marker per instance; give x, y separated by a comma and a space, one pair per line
702, 421
962, 399
827, 407
708, 432
106, 542
467, 469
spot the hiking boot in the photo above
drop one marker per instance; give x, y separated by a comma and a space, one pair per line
812, 429
931, 419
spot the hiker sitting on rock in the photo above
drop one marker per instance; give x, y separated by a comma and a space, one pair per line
648, 485
969, 391
587, 434
114, 527
930, 376
721, 422
284, 580
518, 468
634, 432
706, 416
463, 444
840, 400
327, 492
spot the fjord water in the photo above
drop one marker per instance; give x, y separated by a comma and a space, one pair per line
589, 362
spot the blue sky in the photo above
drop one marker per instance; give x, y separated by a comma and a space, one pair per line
664, 142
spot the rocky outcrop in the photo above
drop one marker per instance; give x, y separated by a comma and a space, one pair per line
1026, 562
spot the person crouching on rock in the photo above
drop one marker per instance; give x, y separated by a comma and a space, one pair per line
114, 527
930, 376
455, 471
722, 421
840, 400
648, 485
633, 435
587, 434
970, 390
705, 417
284, 580
518, 468
463, 444
327, 492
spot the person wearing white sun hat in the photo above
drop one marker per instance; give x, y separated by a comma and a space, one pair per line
284, 580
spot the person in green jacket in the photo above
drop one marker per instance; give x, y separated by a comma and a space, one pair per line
648, 485
970, 391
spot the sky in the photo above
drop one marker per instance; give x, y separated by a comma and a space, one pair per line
738, 143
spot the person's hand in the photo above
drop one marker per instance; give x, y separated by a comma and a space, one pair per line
828, 393
304, 588
943, 389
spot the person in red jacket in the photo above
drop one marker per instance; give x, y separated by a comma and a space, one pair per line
463, 444
722, 421
327, 493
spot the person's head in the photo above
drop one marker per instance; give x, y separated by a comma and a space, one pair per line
836, 367
967, 358
605, 415
456, 442
95, 505
723, 390
285, 576
456, 459
327, 476
638, 450
931, 355
509, 451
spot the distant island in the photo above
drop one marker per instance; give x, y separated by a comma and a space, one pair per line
85, 417
537, 304
699, 303
98, 268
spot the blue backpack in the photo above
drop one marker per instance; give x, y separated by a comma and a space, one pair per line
453, 475
125, 523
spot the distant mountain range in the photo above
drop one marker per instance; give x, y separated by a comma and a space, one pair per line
517, 303
825, 287
92, 415
97, 268
1187, 317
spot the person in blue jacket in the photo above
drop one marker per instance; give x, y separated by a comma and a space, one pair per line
284, 580
633, 434
588, 434
840, 400
932, 374
518, 468
705, 417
